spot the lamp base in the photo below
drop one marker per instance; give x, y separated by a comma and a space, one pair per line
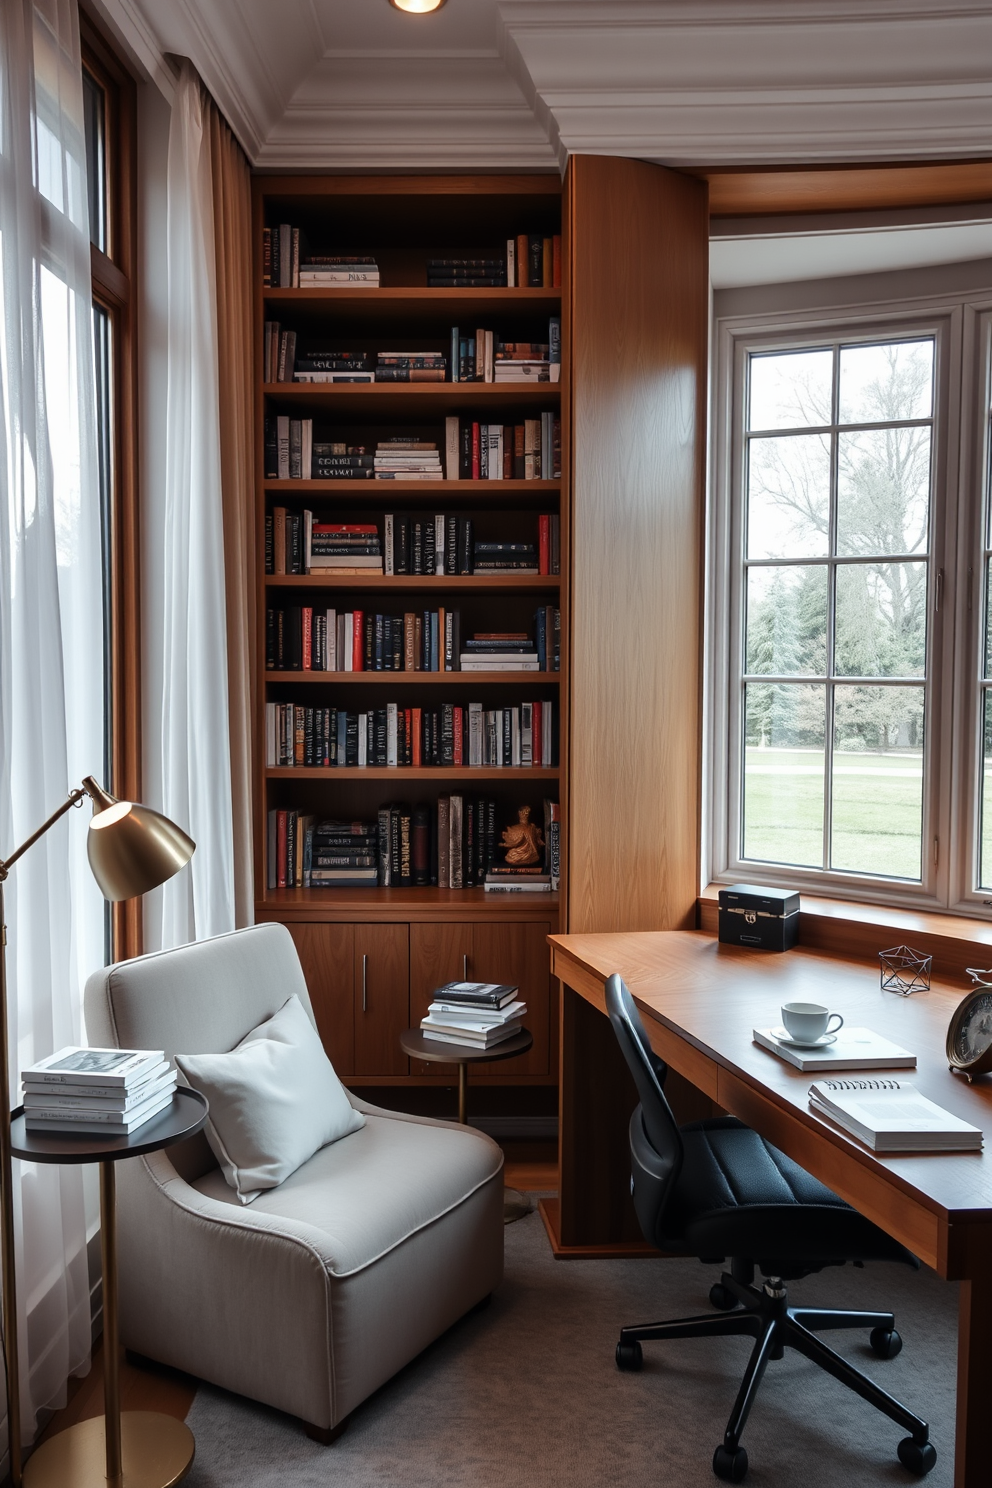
157, 1451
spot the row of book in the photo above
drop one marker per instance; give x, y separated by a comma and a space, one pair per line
482, 357
478, 1014
301, 638
102, 1091
453, 843
287, 263
531, 260
296, 543
522, 736
530, 450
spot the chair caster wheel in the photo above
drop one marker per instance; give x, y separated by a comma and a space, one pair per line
630, 1356
722, 1298
918, 1458
886, 1343
731, 1465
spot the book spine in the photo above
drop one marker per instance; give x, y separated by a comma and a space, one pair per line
556, 261
544, 544
357, 640
511, 263
387, 543
535, 262
523, 261
476, 452
452, 447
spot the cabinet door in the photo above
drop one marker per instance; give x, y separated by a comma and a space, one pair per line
518, 953
327, 955
382, 998
438, 954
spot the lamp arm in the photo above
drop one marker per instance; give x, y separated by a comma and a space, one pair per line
73, 799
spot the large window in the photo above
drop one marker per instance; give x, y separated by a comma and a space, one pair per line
852, 661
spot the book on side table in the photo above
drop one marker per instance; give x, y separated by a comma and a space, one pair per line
94, 1091
849, 1048
481, 1014
892, 1116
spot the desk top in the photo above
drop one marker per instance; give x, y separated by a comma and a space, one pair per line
710, 997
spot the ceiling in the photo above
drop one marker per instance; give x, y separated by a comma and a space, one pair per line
520, 84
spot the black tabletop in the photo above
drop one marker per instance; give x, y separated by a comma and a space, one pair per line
182, 1119
414, 1043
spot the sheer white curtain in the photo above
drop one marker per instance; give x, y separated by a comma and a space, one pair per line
51, 636
188, 774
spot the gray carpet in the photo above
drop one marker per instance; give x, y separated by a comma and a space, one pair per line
526, 1393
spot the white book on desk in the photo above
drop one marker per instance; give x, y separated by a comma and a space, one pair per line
892, 1116
853, 1049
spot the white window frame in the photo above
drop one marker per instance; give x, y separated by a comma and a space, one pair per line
962, 326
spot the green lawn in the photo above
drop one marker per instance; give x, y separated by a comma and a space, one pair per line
877, 810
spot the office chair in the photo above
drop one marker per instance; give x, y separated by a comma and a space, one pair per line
716, 1189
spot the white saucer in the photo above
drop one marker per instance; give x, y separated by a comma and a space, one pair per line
782, 1036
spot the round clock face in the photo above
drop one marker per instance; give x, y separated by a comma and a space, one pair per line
973, 1035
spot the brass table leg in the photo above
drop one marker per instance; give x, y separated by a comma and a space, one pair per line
139, 1449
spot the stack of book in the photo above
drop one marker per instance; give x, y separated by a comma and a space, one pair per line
339, 854
480, 1014
407, 459
504, 557
333, 366
466, 273
499, 651
335, 460
335, 271
410, 366
346, 548
522, 361
112, 1091
506, 878
485, 358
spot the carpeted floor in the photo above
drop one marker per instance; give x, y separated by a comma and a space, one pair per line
526, 1393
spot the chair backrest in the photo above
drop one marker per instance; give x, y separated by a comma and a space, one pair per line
655, 1140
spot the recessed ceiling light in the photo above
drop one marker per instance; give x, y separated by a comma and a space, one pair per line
417, 7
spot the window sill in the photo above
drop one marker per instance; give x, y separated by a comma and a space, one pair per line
846, 928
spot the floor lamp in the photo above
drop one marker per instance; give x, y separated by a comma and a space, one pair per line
131, 849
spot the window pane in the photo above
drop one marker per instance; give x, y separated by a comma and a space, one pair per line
786, 621
790, 390
788, 497
883, 491
881, 620
783, 773
886, 383
988, 618
94, 117
985, 879
878, 780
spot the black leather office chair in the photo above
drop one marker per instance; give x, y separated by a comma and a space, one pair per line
717, 1189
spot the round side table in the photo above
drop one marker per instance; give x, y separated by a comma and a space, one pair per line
413, 1042
139, 1449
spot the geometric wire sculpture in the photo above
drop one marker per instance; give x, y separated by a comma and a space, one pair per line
904, 970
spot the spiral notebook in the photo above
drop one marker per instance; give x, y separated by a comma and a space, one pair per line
892, 1116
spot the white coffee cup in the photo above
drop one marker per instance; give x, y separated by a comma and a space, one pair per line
808, 1021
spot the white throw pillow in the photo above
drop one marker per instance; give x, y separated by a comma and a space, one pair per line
274, 1101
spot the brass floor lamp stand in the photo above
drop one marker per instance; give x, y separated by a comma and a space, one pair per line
133, 1449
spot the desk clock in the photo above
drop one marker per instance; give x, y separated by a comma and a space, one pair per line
969, 1035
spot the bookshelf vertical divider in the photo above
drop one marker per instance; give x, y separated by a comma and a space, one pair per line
372, 954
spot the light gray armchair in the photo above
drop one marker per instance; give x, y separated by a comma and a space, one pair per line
315, 1294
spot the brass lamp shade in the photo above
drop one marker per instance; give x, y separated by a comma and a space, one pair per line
132, 848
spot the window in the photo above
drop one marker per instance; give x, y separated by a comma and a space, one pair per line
851, 670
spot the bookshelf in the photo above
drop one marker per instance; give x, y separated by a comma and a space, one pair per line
372, 955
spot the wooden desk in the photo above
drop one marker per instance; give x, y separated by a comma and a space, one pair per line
700, 1001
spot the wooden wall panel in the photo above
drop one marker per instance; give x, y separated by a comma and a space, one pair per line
638, 314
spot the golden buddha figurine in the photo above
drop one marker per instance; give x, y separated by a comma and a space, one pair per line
524, 840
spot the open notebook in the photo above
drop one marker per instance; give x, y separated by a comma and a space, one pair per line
892, 1116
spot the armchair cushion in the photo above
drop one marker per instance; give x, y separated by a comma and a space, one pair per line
274, 1101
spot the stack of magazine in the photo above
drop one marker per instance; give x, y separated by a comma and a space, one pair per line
113, 1091
481, 1014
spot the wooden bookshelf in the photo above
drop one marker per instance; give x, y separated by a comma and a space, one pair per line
372, 955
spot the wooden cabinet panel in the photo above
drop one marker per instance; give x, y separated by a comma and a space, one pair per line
438, 953
382, 998
327, 955
518, 952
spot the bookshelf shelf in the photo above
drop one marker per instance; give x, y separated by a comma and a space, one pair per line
416, 679
410, 938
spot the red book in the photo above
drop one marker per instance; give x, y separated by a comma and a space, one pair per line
536, 737
415, 740
407, 734
476, 460
458, 724
556, 261
368, 527
357, 641
307, 614
543, 546
281, 849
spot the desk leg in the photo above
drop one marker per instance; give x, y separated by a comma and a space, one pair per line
111, 1335
971, 1460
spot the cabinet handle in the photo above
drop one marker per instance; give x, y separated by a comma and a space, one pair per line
365, 984
465, 967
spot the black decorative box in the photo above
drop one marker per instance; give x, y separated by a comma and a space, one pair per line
765, 918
